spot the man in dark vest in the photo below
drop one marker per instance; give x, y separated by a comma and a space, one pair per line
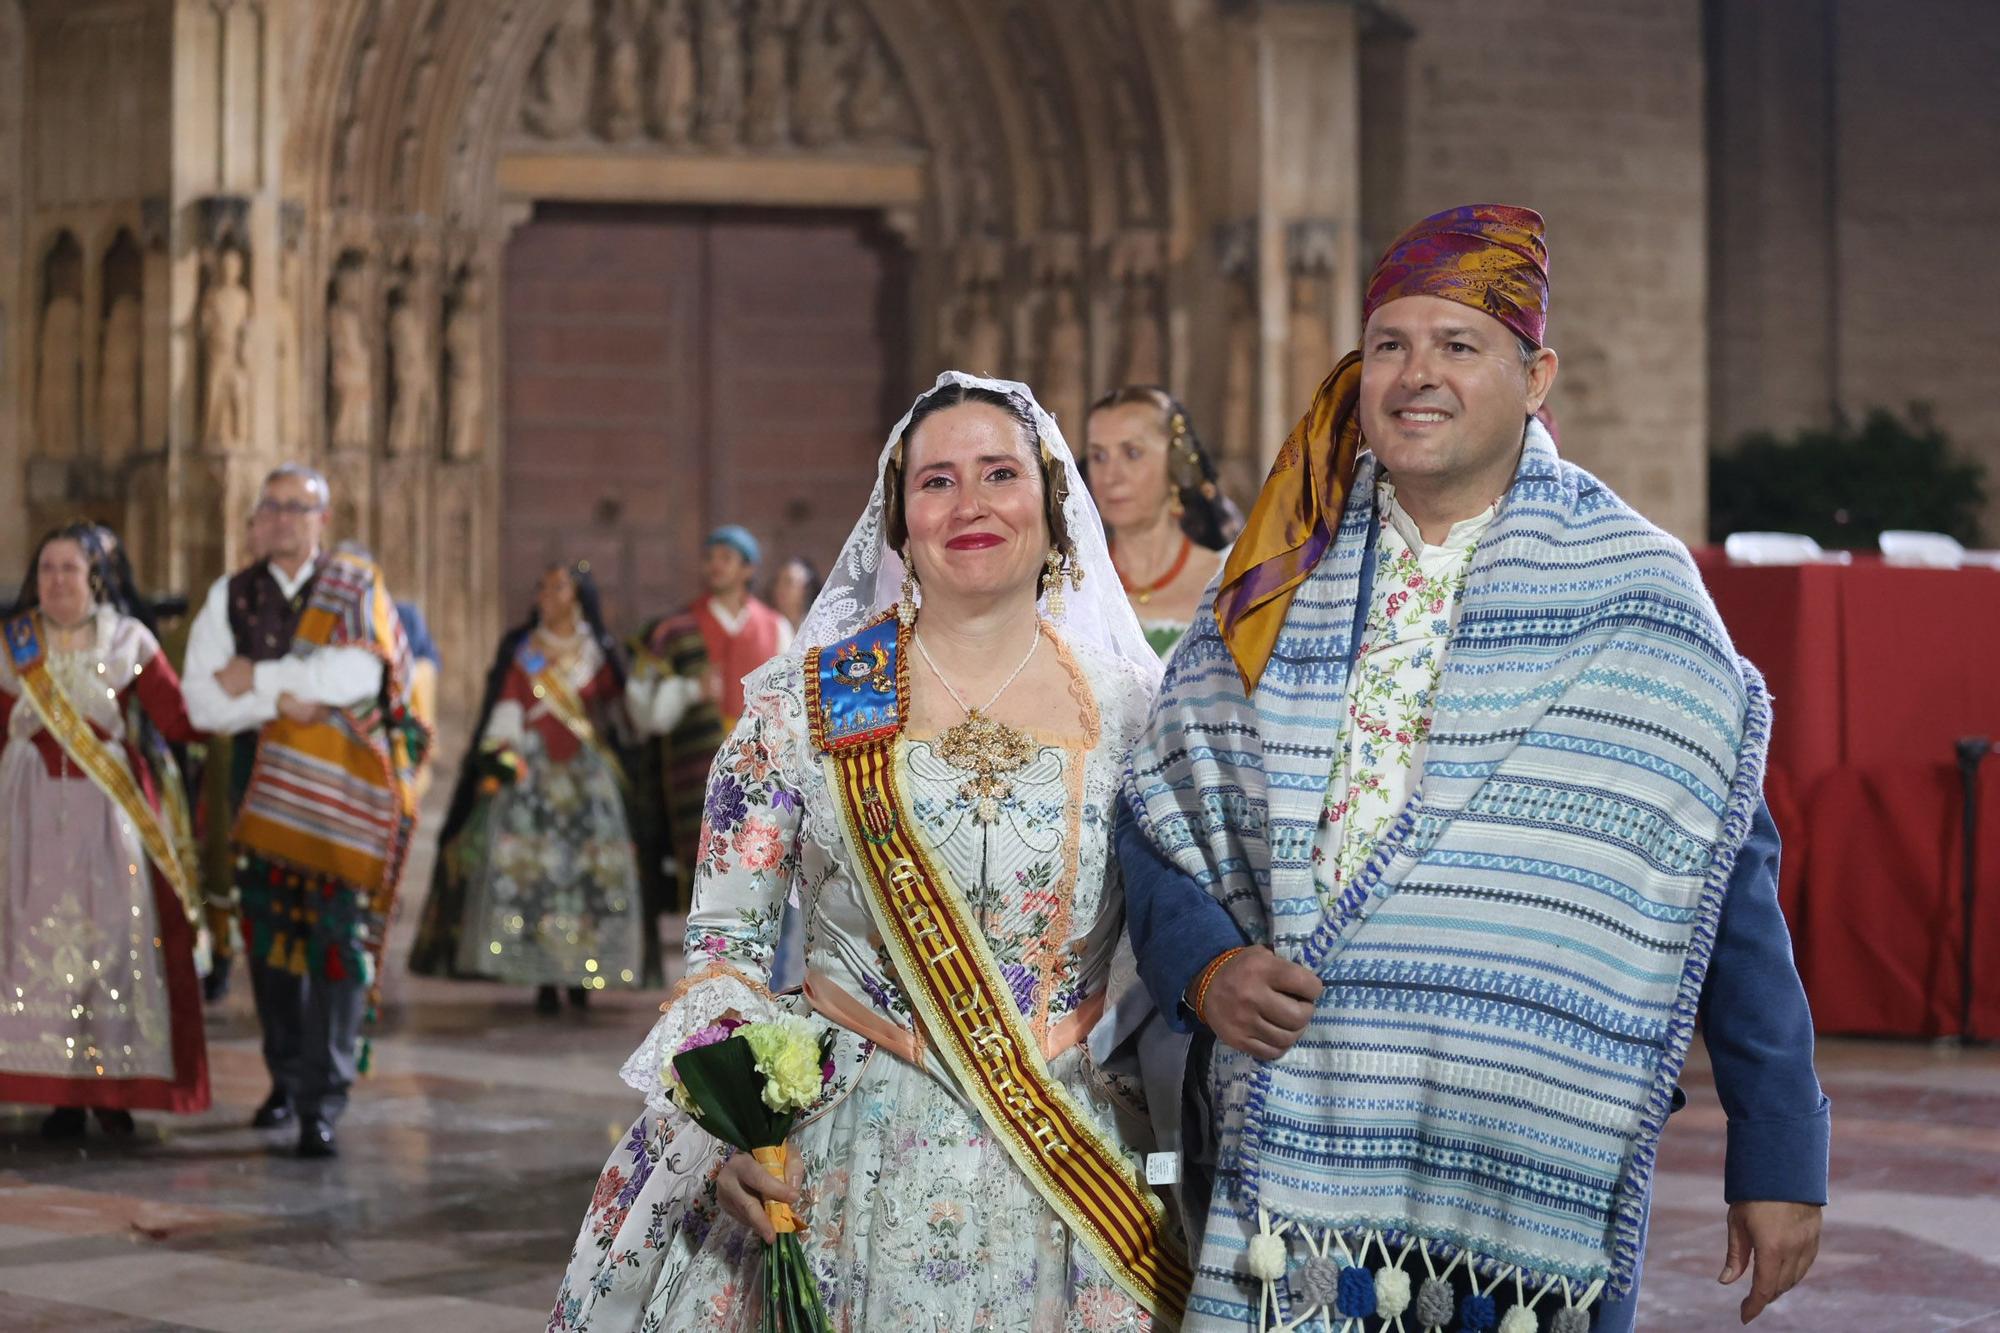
303, 651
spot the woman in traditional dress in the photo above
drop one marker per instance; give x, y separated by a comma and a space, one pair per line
794, 589
98, 895
535, 880
1155, 487
937, 759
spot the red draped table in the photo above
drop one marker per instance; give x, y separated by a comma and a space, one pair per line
1875, 672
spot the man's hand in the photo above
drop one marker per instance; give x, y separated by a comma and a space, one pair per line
1259, 1003
301, 710
237, 677
1783, 1239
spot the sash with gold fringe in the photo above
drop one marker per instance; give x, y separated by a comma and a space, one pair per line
955, 987
545, 677
97, 758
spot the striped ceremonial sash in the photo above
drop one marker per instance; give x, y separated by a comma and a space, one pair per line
955, 987
96, 757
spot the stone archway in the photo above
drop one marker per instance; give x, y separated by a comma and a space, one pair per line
1017, 148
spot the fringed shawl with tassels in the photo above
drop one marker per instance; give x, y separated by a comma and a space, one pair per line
1512, 981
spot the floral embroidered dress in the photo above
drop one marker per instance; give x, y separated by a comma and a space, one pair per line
552, 889
1393, 694
916, 1218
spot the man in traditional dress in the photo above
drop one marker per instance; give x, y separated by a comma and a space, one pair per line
1448, 826
741, 631
304, 648
686, 688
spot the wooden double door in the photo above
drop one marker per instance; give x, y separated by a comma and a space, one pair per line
672, 369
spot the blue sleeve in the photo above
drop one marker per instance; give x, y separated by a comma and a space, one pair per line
1176, 928
418, 632
1760, 1040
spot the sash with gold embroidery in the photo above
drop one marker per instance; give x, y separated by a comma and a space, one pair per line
855, 692
552, 688
97, 758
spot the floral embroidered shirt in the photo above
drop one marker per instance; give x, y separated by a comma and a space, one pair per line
1392, 693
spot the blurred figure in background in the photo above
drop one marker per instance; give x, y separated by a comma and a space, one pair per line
793, 589
1155, 487
93, 875
535, 882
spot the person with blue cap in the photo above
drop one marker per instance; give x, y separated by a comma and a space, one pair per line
686, 690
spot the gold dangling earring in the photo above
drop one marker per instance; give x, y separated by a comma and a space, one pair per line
1053, 585
906, 605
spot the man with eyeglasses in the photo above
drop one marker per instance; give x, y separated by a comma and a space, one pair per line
301, 658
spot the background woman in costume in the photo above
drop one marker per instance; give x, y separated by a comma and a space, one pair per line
793, 589
917, 1217
98, 953
1155, 486
535, 881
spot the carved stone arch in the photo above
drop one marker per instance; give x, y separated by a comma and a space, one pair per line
407, 124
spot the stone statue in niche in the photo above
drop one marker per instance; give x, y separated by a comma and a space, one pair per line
1143, 363
285, 364
1135, 178
769, 119
1309, 337
464, 360
827, 43
1065, 360
670, 48
875, 111
118, 381
350, 376
558, 94
58, 381
984, 347
721, 72
1239, 376
620, 112
224, 320
1052, 142
415, 402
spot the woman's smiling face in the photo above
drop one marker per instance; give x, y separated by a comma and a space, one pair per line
972, 500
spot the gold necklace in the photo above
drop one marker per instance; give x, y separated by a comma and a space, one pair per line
987, 749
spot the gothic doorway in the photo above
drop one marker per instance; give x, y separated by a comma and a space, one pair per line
668, 369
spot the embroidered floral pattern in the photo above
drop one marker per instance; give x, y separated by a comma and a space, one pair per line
1392, 693
916, 1219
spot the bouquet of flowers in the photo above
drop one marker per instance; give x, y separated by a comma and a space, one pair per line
746, 1083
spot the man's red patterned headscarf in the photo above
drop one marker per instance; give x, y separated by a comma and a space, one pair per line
1486, 256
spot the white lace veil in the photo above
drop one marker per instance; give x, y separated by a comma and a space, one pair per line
867, 578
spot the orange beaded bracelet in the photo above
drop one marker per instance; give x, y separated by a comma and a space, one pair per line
1207, 979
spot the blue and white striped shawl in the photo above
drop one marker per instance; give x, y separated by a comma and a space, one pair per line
1511, 982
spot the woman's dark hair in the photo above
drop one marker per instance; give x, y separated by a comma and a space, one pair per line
814, 579
589, 604
1055, 481
84, 535
121, 588
1208, 517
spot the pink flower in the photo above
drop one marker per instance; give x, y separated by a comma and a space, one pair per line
720, 1030
1402, 738
1437, 605
1416, 581
1396, 600
757, 842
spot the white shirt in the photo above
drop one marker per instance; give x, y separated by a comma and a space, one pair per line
336, 677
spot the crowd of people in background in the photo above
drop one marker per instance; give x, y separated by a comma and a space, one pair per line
573, 820
1077, 815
